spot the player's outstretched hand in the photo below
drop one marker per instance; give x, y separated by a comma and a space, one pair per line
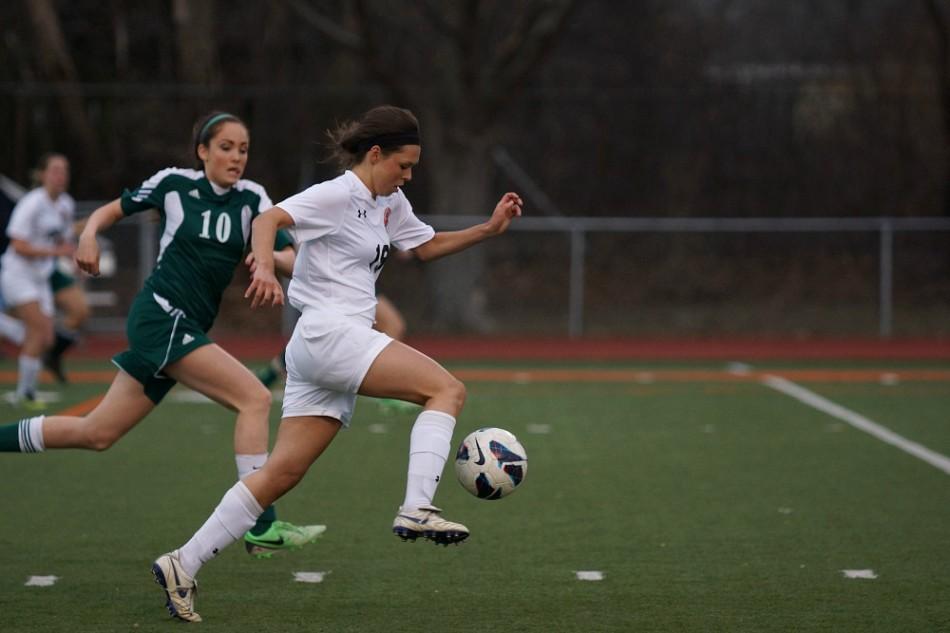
507, 209
264, 289
87, 255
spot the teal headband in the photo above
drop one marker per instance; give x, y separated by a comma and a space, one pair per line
207, 126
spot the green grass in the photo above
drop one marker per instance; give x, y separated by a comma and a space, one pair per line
708, 506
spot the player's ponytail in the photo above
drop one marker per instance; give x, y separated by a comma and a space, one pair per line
387, 126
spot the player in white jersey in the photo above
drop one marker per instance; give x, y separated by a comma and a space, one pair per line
344, 230
40, 230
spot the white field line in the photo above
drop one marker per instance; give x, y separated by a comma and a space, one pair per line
858, 421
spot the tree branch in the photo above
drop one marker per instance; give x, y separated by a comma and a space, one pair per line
374, 61
325, 25
521, 55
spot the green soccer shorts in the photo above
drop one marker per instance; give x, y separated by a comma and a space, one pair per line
158, 334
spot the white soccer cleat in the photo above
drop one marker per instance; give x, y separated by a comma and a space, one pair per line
180, 588
427, 522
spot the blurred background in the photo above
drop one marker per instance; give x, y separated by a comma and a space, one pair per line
691, 168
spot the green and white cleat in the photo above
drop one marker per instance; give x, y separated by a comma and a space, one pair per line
180, 588
29, 402
427, 523
281, 535
392, 406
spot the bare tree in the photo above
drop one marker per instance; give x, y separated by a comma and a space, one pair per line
939, 14
459, 65
56, 65
195, 38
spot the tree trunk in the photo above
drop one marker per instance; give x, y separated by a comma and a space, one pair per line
197, 45
461, 185
942, 32
57, 66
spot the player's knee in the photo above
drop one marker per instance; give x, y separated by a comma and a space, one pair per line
453, 392
101, 439
77, 316
258, 400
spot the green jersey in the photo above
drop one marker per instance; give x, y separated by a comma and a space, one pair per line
204, 236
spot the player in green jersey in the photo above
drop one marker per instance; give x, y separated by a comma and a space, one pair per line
206, 219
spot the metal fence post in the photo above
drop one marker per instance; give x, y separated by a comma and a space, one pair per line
886, 279
575, 325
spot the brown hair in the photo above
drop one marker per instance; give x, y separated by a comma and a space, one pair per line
37, 174
207, 126
387, 126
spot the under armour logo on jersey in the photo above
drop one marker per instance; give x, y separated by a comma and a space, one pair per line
361, 213
194, 194
187, 338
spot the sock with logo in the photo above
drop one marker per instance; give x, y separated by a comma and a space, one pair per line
429, 446
246, 464
25, 436
230, 520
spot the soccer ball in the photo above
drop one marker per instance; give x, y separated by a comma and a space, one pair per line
491, 463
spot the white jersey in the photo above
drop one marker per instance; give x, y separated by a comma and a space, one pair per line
42, 222
344, 236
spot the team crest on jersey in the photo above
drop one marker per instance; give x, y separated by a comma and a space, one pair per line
386, 216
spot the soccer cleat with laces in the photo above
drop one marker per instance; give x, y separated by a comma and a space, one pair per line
180, 588
427, 522
281, 535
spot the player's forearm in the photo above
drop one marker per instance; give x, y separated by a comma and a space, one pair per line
102, 218
263, 233
25, 249
447, 242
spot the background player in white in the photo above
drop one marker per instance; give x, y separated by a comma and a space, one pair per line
344, 228
40, 230
206, 223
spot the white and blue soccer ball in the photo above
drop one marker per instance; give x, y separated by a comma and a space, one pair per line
491, 463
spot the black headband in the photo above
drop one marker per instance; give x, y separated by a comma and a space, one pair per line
386, 141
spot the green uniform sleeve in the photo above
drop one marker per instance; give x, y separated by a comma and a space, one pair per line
149, 195
282, 240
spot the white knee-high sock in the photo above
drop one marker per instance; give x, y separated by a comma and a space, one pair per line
29, 368
31, 435
12, 329
234, 516
246, 464
429, 446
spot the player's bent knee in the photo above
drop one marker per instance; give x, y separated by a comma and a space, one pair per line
259, 399
453, 392
101, 439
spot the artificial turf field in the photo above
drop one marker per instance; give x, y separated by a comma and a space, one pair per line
707, 500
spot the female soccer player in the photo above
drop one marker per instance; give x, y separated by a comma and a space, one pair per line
344, 228
40, 230
206, 224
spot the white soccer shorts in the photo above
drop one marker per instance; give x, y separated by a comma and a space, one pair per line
327, 359
20, 287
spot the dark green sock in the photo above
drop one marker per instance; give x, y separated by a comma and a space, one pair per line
264, 521
10, 438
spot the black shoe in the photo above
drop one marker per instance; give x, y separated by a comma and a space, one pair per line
54, 365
